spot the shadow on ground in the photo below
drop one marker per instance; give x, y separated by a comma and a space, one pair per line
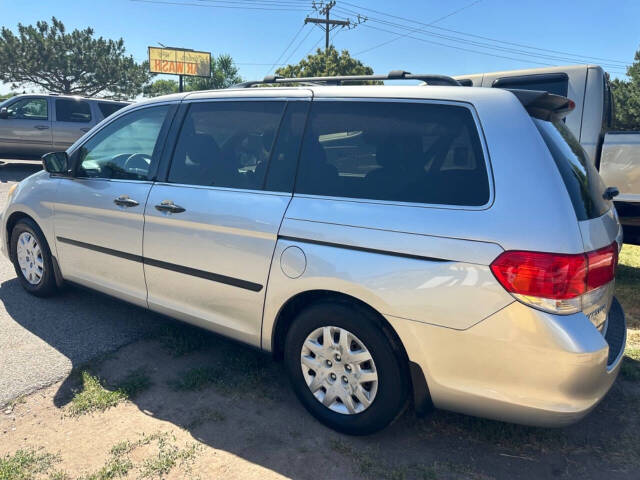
236, 399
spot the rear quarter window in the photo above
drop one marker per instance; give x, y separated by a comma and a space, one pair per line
394, 151
582, 180
73, 111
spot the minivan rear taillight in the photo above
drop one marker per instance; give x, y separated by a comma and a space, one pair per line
555, 282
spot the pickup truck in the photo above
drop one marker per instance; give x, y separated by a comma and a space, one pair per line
615, 154
32, 125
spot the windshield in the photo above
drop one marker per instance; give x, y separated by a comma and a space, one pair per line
583, 182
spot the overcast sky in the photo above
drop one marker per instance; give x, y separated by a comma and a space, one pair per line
468, 36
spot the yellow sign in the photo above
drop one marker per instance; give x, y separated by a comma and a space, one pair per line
175, 61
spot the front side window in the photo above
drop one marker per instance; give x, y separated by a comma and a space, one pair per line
226, 144
395, 151
124, 149
72, 110
29, 109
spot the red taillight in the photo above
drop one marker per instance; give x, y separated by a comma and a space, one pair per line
546, 275
602, 266
553, 275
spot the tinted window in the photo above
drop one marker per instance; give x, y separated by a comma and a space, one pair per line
72, 110
580, 176
408, 152
124, 149
557, 83
108, 108
282, 167
29, 109
226, 144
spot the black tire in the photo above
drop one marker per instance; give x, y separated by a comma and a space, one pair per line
47, 284
393, 383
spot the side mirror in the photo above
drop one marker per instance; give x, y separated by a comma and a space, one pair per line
4, 113
56, 163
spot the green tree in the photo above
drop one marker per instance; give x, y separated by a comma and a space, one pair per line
160, 87
326, 63
626, 97
224, 74
76, 63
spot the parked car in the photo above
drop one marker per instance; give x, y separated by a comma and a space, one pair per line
454, 245
615, 154
32, 125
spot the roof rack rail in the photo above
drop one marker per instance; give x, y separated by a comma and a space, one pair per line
338, 80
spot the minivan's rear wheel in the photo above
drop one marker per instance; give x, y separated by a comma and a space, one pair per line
343, 368
32, 258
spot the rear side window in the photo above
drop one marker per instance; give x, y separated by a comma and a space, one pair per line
108, 108
226, 144
557, 83
72, 111
583, 182
395, 151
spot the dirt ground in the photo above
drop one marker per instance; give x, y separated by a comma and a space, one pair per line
201, 406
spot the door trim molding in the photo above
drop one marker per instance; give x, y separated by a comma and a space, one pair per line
194, 272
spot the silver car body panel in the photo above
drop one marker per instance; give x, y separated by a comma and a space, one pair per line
223, 232
87, 220
234, 258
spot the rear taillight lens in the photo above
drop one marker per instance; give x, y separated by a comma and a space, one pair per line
552, 281
602, 266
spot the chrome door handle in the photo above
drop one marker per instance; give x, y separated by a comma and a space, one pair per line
125, 201
169, 207
41, 127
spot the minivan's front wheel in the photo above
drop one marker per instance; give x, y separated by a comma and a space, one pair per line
32, 259
343, 368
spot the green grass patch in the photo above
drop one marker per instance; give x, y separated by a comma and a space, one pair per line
135, 382
197, 378
370, 464
628, 283
95, 397
168, 457
630, 369
181, 340
206, 415
26, 464
242, 372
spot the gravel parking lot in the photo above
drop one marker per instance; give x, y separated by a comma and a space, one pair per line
41, 340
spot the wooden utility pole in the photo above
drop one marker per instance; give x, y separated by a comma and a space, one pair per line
327, 23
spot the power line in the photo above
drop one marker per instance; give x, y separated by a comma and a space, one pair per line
584, 57
315, 45
286, 48
286, 62
417, 29
477, 44
189, 4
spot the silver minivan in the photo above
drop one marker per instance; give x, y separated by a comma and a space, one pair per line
434, 245
32, 125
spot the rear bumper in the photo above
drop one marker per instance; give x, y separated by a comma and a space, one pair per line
519, 365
